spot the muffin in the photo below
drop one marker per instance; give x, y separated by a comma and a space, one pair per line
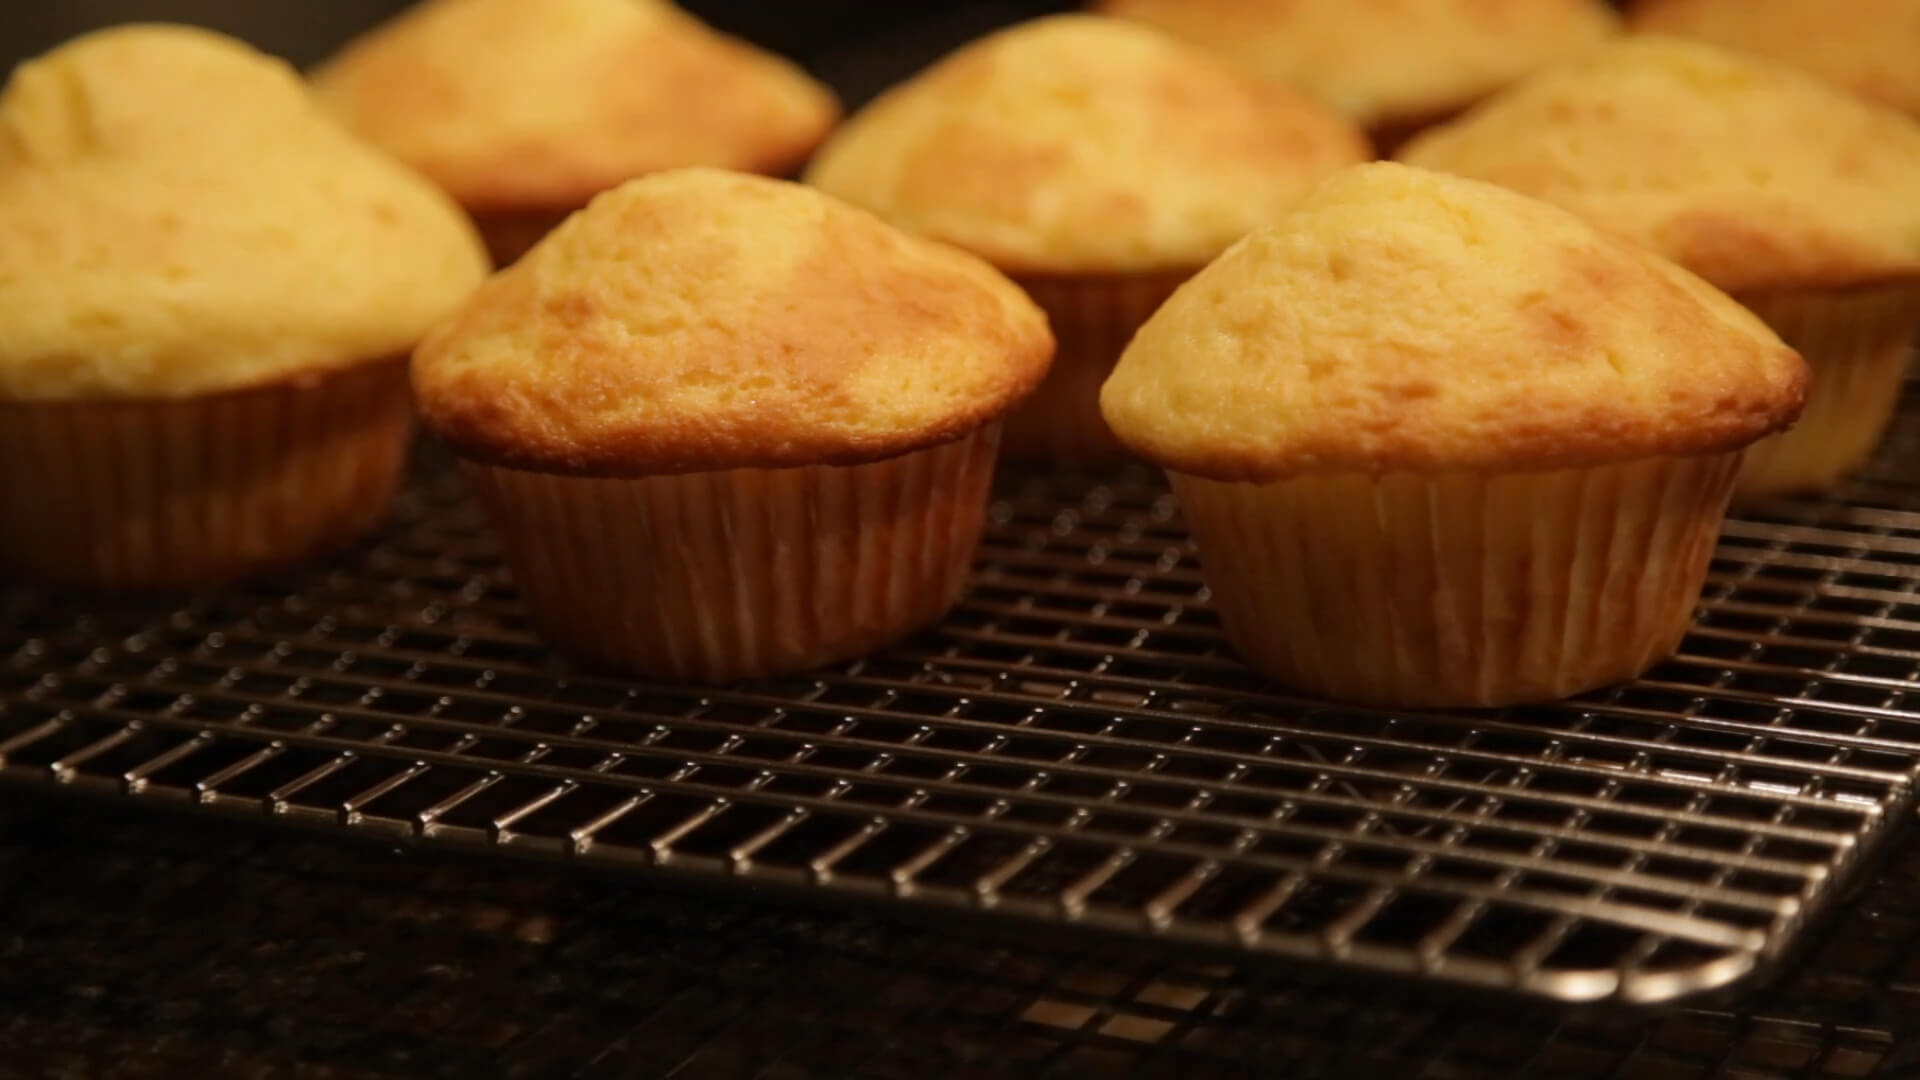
726, 426
1871, 47
1393, 66
1098, 163
1797, 198
1443, 445
523, 111
207, 294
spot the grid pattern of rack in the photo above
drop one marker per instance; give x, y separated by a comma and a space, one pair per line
1074, 749
253, 953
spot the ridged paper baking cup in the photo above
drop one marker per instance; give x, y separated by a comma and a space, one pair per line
1460, 589
1858, 346
162, 494
509, 234
716, 576
1093, 319
1389, 135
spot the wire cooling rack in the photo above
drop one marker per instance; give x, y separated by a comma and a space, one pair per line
157, 945
1075, 750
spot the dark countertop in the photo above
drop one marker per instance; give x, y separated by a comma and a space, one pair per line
177, 946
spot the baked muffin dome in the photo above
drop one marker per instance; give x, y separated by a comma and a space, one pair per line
1439, 444
1748, 172
1077, 144
1400, 319
726, 426
511, 104
1791, 194
207, 293
701, 319
177, 217
1383, 62
1871, 47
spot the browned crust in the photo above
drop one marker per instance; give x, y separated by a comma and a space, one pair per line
667, 92
702, 320
1575, 350
511, 425
481, 434
1599, 436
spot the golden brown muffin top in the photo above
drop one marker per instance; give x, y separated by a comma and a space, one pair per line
540, 104
697, 319
1079, 144
177, 218
1871, 47
1747, 172
1405, 320
1383, 62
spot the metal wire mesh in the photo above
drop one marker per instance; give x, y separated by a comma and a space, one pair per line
157, 945
1074, 749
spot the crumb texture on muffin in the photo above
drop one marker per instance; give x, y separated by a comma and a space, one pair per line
1402, 319
1871, 47
510, 104
1383, 61
701, 320
177, 217
1747, 172
1076, 144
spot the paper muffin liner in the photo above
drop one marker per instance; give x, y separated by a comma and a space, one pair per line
1390, 135
1460, 589
1093, 319
509, 234
1858, 346
165, 494
717, 576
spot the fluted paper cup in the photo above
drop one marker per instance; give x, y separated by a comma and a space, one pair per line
1460, 589
1093, 319
164, 494
1858, 346
724, 575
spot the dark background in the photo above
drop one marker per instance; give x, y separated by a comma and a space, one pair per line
856, 45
